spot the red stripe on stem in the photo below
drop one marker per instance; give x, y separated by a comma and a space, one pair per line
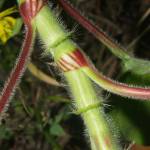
30, 8
79, 57
72, 61
123, 89
69, 66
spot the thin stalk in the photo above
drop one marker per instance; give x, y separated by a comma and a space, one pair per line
115, 48
87, 103
16, 74
115, 87
41, 75
130, 63
8, 12
28, 9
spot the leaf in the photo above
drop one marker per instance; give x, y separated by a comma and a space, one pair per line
17, 27
58, 99
57, 130
127, 128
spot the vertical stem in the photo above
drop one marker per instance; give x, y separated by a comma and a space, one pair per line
94, 118
57, 43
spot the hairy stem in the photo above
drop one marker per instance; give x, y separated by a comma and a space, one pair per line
130, 63
85, 98
104, 82
28, 10
115, 48
17, 72
87, 103
77, 59
116, 87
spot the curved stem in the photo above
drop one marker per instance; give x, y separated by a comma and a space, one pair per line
115, 87
28, 10
77, 59
17, 72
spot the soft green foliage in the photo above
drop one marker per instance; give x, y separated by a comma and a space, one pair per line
17, 27
137, 66
56, 128
1, 3
126, 127
5, 133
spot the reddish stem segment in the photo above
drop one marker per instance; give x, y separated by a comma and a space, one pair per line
121, 89
13, 81
28, 10
99, 34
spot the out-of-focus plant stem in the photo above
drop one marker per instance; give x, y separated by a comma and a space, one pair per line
41, 75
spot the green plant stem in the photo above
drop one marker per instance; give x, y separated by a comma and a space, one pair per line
85, 96
57, 43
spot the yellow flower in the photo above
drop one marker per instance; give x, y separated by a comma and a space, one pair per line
7, 24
